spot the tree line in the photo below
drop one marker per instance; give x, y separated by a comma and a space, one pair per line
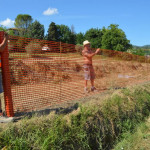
111, 37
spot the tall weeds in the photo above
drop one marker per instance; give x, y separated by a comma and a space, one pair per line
91, 127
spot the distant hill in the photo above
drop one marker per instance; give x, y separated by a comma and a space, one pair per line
146, 47
142, 47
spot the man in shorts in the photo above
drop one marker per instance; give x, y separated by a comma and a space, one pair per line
89, 73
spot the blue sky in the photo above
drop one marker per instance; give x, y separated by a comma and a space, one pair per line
132, 16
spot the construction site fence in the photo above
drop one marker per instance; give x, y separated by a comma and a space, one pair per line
38, 74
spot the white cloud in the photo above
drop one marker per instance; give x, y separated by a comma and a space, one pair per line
50, 11
7, 23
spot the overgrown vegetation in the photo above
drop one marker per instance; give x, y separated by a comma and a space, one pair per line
139, 140
139, 51
92, 126
33, 48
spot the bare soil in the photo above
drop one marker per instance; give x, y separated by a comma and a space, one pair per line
38, 83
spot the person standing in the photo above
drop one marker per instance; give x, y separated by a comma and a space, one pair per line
89, 73
4, 42
2, 47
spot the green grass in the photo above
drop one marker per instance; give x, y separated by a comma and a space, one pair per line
139, 140
93, 126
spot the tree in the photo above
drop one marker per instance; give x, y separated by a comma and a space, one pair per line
63, 32
36, 30
66, 35
94, 36
80, 38
73, 35
52, 32
72, 38
10, 32
22, 22
115, 39
72, 29
2, 28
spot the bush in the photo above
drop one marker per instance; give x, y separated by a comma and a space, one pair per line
33, 48
139, 52
79, 49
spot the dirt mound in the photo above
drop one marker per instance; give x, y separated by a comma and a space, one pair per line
23, 72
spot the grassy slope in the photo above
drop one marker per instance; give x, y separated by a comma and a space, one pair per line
139, 140
95, 125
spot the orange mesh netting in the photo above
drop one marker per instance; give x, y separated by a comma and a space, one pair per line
44, 73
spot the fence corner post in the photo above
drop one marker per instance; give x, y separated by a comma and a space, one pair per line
6, 79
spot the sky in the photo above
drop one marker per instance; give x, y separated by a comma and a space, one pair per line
132, 16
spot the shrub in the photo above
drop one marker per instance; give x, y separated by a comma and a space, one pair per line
79, 49
20, 44
33, 48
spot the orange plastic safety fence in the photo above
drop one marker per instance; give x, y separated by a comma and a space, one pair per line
6, 79
40, 73
44, 73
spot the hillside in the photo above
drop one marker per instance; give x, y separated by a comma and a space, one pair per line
146, 47
92, 125
138, 140
62, 77
142, 47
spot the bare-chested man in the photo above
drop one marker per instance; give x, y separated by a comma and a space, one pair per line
89, 73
